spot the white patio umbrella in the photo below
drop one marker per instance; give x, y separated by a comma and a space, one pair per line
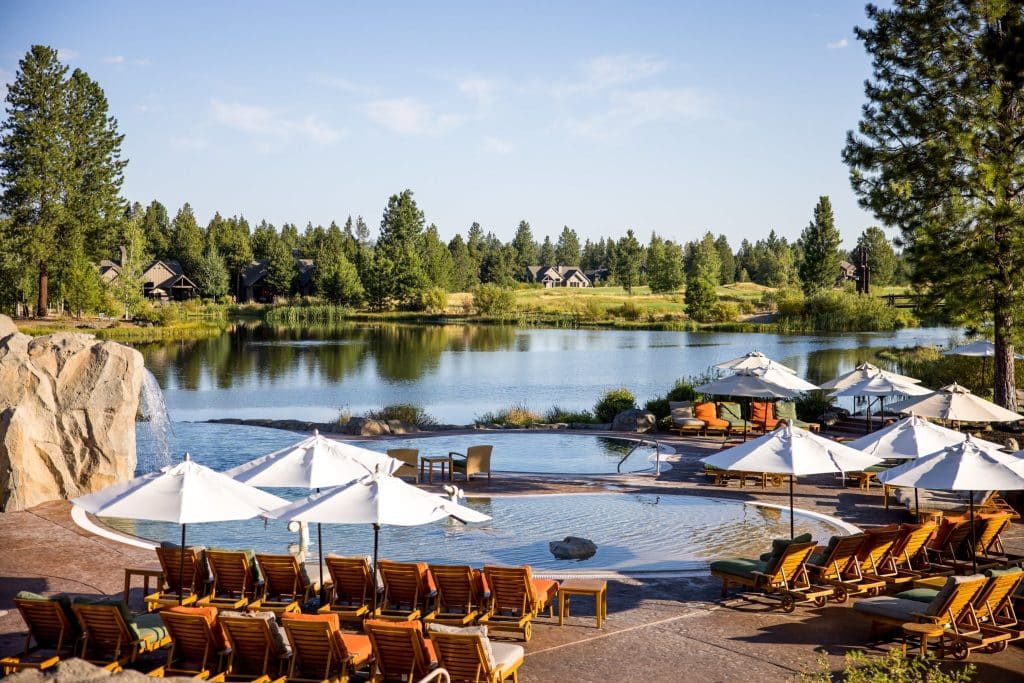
960, 467
376, 499
757, 383
954, 402
878, 386
186, 493
863, 371
752, 360
791, 451
982, 348
315, 462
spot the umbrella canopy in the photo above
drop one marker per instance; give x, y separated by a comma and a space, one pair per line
880, 385
982, 348
862, 372
791, 451
752, 360
954, 402
913, 437
750, 383
314, 462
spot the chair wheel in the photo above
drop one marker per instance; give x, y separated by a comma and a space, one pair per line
821, 601
841, 595
788, 603
960, 651
528, 632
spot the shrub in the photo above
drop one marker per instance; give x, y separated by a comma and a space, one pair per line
613, 403
434, 300
839, 311
892, 667
516, 414
658, 406
723, 312
404, 412
630, 310
491, 300
683, 390
556, 414
810, 406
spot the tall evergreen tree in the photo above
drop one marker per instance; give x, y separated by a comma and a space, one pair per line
400, 230
127, 288
526, 250
702, 280
335, 277
156, 225
546, 255
281, 271
881, 256
211, 275
567, 250
187, 242
629, 258
664, 265
437, 260
727, 270
83, 290
820, 244
464, 278
262, 237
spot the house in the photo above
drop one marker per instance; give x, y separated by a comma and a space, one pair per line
251, 287
165, 280
559, 276
109, 271
847, 273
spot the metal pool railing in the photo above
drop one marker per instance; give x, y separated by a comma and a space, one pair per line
639, 443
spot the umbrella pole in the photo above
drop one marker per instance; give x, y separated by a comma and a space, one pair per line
792, 531
181, 569
376, 532
974, 541
917, 507
320, 552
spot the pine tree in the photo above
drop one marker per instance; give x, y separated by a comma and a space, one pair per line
262, 237
464, 278
702, 280
937, 153
664, 265
127, 288
187, 243
335, 277
83, 290
437, 260
156, 225
526, 250
546, 256
567, 250
629, 257
820, 243
727, 271
400, 230
281, 271
211, 275
881, 256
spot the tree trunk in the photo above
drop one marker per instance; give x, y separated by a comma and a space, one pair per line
1004, 391
44, 290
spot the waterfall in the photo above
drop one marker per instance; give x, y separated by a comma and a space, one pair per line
154, 411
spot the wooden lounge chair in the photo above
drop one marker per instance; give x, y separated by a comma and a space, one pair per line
783, 577
945, 608
477, 460
470, 656
732, 413
988, 547
785, 411
516, 598
400, 652
462, 593
838, 567
53, 632
186, 578
258, 650
197, 643
909, 554
993, 504
112, 638
683, 419
320, 651
874, 556
235, 582
408, 590
708, 413
286, 585
352, 587
410, 458
762, 415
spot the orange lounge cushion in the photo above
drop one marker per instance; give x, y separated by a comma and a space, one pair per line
762, 413
545, 590
356, 645
708, 412
220, 638
414, 625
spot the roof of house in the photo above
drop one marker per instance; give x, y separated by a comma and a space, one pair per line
254, 272
177, 277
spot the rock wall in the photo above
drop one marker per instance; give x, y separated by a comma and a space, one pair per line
67, 415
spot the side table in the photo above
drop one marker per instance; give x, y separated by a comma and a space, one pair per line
924, 632
146, 573
598, 588
428, 461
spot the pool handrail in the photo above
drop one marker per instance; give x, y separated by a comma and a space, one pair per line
638, 444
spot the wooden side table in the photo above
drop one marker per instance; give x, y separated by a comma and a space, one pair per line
146, 573
924, 632
428, 461
598, 588
924, 516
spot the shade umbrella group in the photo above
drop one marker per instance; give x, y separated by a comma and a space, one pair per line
957, 404
763, 382
878, 386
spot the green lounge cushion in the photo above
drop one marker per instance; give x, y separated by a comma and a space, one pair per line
819, 558
951, 583
732, 413
992, 573
148, 627
739, 566
786, 410
925, 595
890, 607
779, 545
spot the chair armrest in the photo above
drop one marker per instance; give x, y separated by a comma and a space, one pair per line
451, 453
925, 617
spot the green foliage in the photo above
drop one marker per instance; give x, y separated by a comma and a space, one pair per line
727, 269
567, 251
526, 249
494, 301
517, 414
927, 364
307, 314
838, 311
702, 281
83, 290
465, 271
401, 228
811, 405
658, 406
404, 412
664, 265
630, 310
437, 260
629, 255
546, 255
126, 288
882, 259
556, 414
281, 271
187, 244
613, 403
335, 278
211, 276
683, 389
891, 667
435, 300
156, 225
820, 245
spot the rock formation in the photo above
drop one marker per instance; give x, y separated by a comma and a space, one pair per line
573, 548
634, 420
67, 415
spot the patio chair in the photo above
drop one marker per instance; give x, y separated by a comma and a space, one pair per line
477, 460
352, 587
287, 586
197, 642
950, 547
683, 419
708, 413
469, 655
400, 652
186, 579
762, 415
945, 609
410, 458
783, 575
873, 556
320, 651
988, 546
111, 637
993, 503
237, 583
462, 594
516, 598
258, 648
733, 414
408, 590
785, 411
838, 567
909, 554
53, 632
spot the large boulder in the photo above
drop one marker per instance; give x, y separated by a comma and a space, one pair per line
67, 415
572, 548
364, 426
634, 420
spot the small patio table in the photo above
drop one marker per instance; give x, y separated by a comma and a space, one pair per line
427, 462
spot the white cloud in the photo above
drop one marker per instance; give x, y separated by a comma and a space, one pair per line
114, 59
628, 110
66, 54
259, 120
838, 44
142, 61
345, 85
480, 90
497, 146
602, 73
147, 108
409, 116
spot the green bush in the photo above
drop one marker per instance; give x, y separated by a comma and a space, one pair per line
658, 406
838, 310
892, 667
556, 414
516, 414
613, 403
435, 300
810, 406
683, 390
404, 412
491, 300
630, 310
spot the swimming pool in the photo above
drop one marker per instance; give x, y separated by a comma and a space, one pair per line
632, 532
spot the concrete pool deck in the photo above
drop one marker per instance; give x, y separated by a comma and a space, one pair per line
659, 628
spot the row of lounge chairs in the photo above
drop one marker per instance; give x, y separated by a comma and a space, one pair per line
727, 417
916, 562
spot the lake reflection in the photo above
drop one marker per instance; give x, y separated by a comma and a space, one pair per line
458, 372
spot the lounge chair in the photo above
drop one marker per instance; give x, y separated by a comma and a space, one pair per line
945, 609
950, 547
112, 637
733, 414
516, 598
785, 411
462, 593
320, 651
186, 578
469, 655
400, 651
287, 586
707, 412
259, 649
909, 554
781, 575
477, 460
994, 504
988, 547
352, 587
762, 415
197, 643
874, 556
683, 419
410, 458
53, 632
838, 567
236, 580
408, 590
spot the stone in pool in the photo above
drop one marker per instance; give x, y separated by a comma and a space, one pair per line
572, 548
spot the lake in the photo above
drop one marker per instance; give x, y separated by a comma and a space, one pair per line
459, 372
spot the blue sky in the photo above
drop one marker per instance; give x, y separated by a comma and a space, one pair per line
676, 117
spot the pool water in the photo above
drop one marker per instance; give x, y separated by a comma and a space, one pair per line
632, 532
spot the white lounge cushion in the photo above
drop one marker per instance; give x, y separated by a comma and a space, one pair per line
891, 608
507, 655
